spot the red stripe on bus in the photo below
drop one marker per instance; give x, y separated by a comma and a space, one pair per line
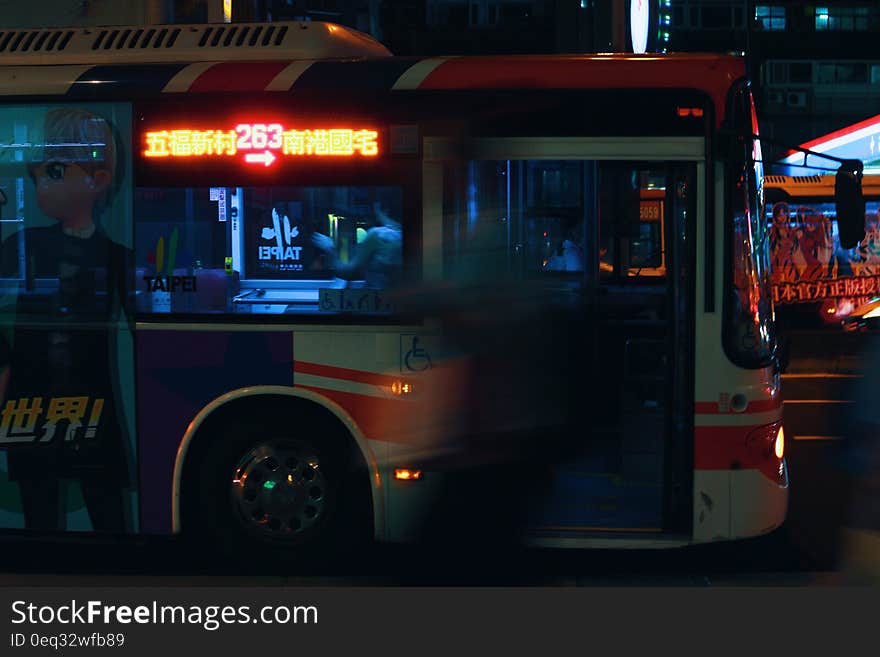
331, 372
237, 76
737, 448
713, 74
377, 418
756, 406
720, 448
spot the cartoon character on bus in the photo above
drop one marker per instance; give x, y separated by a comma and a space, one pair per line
61, 401
787, 260
816, 243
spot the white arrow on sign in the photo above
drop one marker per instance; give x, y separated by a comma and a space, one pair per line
266, 158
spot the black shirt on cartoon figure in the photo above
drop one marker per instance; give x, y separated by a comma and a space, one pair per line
63, 345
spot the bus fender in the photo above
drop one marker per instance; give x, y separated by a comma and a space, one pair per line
257, 391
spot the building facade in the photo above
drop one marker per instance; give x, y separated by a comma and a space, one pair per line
815, 64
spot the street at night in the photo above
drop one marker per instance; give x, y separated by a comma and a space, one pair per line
824, 371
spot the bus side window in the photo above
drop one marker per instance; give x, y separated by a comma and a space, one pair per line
631, 221
517, 218
537, 219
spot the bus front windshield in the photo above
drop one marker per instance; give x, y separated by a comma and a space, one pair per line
750, 334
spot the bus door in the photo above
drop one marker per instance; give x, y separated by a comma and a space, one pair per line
610, 242
642, 308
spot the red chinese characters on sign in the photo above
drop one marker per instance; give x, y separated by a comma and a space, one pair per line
808, 263
261, 143
839, 288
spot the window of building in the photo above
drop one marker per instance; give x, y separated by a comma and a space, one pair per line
448, 15
875, 74
845, 19
777, 72
737, 17
842, 73
716, 17
515, 12
702, 14
825, 74
678, 16
851, 73
770, 17
800, 72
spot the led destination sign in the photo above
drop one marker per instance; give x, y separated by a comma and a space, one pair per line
261, 143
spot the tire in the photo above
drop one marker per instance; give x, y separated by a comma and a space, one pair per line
275, 499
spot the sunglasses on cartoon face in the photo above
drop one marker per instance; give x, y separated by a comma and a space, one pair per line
53, 170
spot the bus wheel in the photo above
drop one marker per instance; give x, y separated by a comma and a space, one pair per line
282, 491
279, 501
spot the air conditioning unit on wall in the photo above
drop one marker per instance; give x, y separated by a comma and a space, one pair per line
796, 99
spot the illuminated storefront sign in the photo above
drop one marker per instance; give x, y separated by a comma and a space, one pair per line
261, 143
860, 141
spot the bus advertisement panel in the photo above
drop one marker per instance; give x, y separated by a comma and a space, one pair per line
67, 428
814, 278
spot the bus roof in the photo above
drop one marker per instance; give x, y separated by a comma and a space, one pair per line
710, 73
289, 56
138, 44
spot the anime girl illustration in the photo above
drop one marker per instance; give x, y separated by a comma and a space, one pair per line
788, 262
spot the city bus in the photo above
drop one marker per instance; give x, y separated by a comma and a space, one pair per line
222, 250
816, 282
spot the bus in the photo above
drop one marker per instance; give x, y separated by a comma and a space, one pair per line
207, 229
817, 283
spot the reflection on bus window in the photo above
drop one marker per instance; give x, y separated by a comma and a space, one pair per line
806, 246
647, 254
288, 249
814, 280
540, 218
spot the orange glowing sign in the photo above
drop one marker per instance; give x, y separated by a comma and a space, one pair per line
261, 143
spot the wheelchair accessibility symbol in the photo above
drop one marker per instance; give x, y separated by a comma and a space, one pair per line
416, 359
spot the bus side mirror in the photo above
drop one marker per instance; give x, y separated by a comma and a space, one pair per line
850, 203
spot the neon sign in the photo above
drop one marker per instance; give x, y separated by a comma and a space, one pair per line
262, 143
